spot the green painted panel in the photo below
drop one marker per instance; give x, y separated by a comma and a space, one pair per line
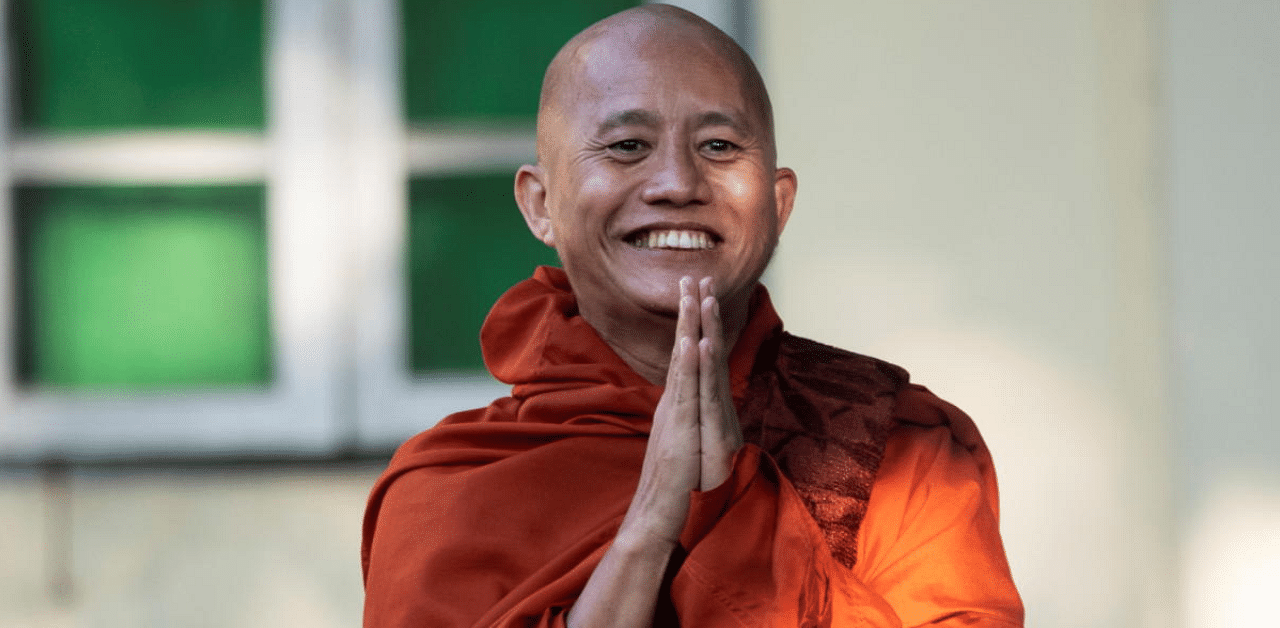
142, 287
138, 63
467, 245
485, 58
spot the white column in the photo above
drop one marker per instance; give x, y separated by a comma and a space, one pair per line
309, 222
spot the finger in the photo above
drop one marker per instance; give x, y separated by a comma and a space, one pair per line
709, 310
721, 435
685, 364
713, 367
709, 402
717, 447
709, 351
713, 330
690, 323
686, 323
712, 339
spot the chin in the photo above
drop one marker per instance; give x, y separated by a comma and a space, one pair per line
657, 295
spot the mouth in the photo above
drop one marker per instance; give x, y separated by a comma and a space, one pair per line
673, 239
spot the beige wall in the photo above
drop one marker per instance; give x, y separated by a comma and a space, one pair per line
199, 547
977, 203
1222, 88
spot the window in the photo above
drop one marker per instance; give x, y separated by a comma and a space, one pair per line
270, 226
171, 293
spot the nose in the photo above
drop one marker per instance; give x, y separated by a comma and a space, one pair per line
676, 178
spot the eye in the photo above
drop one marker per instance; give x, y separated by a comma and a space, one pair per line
719, 147
629, 148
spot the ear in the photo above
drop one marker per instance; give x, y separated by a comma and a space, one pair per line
784, 194
531, 196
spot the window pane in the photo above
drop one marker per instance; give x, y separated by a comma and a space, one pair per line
142, 287
485, 58
129, 63
467, 245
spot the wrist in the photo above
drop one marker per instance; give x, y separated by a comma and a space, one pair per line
643, 541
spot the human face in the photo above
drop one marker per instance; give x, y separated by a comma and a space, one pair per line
660, 165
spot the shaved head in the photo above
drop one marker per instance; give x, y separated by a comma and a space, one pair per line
656, 161
643, 31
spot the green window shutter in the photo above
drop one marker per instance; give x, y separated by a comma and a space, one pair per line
467, 245
142, 287
86, 64
485, 58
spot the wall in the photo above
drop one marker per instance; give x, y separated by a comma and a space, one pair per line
1222, 88
220, 545
978, 202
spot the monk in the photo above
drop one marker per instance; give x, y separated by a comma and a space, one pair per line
668, 455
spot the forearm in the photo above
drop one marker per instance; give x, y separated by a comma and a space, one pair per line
623, 590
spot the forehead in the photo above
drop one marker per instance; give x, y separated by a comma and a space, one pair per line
668, 76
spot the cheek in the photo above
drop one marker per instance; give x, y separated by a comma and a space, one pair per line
595, 188
738, 188
753, 197
596, 196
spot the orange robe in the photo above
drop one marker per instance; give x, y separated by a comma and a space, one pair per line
497, 516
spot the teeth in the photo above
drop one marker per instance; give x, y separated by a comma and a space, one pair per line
674, 239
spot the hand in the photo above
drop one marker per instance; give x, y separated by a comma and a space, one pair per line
695, 430
691, 446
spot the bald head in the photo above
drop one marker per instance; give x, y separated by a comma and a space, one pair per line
646, 31
655, 124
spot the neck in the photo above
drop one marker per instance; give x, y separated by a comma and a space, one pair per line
645, 340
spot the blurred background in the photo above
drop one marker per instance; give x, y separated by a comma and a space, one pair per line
247, 246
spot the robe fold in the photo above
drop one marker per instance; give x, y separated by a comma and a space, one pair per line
498, 516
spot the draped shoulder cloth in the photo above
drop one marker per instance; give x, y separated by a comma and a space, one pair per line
498, 516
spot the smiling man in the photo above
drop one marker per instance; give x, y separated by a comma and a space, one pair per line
668, 455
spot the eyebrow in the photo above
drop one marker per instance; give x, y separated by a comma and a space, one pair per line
644, 117
630, 117
719, 118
